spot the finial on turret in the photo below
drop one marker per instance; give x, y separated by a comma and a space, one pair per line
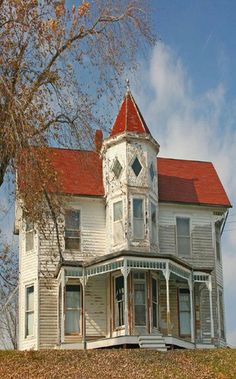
127, 86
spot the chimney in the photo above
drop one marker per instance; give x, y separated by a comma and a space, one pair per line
98, 140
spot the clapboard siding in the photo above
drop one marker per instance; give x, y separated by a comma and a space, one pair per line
202, 246
167, 239
203, 254
48, 318
96, 308
28, 276
92, 244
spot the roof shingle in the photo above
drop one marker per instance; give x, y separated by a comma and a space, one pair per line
129, 118
181, 181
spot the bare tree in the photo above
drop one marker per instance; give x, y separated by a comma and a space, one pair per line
8, 296
49, 57
56, 63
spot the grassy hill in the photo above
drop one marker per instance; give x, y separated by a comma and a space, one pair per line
132, 364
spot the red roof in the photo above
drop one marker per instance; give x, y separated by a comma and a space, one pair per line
79, 171
187, 181
129, 118
194, 182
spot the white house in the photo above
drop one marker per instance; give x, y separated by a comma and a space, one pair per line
141, 260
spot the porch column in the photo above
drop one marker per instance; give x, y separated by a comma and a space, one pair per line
83, 282
190, 284
62, 306
209, 286
166, 273
125, 272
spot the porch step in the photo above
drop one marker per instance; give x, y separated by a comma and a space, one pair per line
156, 342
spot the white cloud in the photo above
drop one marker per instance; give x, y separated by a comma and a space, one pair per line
198, 127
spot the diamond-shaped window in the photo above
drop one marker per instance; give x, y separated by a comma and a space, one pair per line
136, 166
117, 168
152, 172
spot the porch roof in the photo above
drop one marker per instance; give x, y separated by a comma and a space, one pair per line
130, 254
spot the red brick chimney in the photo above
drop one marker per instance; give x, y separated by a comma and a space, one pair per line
98, 140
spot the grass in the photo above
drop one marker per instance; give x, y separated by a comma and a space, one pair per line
132, 364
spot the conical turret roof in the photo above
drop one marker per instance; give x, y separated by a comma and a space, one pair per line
129, 118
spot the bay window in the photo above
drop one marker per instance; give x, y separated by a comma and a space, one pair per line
118, 222
153, 223
140, 298
138, 218
119, 301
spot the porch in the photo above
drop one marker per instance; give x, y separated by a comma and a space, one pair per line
140, 301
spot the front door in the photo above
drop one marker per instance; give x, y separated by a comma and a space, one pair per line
140, 300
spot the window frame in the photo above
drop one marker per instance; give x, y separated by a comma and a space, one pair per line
79, 309
117, 222
29, 233
153, 240
188, 311
221, 313
151, 168
29, 311
142, 198
120, 168
218, 242
79, 230
154, 277
184, 216
115, 326
131, 166
140, 281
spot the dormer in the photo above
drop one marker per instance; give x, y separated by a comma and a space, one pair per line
130, 179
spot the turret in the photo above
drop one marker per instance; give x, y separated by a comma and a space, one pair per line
130, 181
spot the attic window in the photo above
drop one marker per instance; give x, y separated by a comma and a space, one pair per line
136, 166
117, 168
72, 229
29, 235
151, 172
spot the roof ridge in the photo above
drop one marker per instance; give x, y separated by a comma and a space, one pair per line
70, 149
185, 160
138, 112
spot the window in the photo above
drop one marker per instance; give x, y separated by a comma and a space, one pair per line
136, 166
153, 223
29, 235
221, 314
29, 311
183, 236
154, 303
217, 233
72, 309
138, 219
119, 301
184, 312
72, 229
117, 222
117, 168
151, 172
140, 299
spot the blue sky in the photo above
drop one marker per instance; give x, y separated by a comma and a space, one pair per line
188, 97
